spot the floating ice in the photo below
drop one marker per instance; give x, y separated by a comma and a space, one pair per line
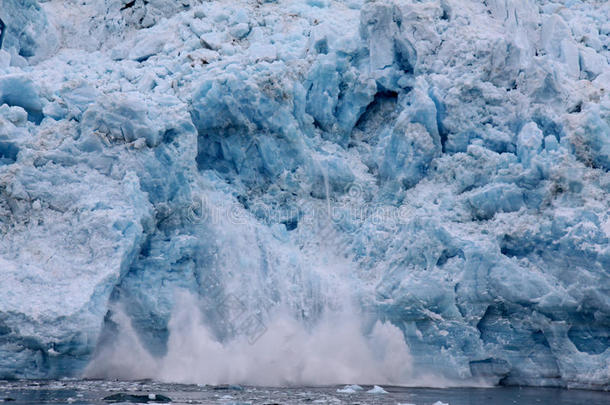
376, 390
350, 389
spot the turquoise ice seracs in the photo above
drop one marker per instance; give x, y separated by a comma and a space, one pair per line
461, 148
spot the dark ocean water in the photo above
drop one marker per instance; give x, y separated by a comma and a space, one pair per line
94, 392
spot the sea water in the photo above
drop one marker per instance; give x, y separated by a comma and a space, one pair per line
94, 392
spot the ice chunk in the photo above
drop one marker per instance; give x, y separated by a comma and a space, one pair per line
592, 64
529, 142
350, 389
377, 390
378, 25
497, 198
592, 142
323, 94
124, 119
147, 46
407, 153
26, 29
19, 90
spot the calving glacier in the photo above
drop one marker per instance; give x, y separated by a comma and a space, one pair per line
392, 191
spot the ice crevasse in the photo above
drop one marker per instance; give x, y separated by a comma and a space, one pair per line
450, 157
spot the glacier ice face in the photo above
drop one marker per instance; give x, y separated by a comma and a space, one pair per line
442, 165
29, 33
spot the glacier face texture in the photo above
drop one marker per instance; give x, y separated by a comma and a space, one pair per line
452, 155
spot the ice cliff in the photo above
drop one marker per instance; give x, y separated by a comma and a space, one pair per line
440, 165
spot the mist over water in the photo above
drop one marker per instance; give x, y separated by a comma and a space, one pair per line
336, 350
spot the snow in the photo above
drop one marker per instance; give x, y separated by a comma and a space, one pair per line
439, 165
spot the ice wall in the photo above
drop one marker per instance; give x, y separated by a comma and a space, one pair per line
439, 165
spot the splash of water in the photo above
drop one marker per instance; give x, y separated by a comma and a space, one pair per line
334, 351
125, 358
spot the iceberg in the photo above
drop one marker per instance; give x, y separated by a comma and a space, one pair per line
350, 389
377, 390
437, 170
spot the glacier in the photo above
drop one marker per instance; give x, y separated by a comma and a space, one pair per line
435, 167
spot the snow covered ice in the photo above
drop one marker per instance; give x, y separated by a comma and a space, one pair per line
437, 167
